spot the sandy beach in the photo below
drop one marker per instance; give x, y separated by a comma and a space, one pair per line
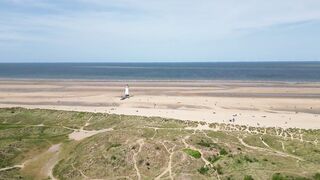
259, 104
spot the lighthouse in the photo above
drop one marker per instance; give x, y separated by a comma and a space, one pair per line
126, 91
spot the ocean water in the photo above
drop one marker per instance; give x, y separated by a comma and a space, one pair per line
259, 71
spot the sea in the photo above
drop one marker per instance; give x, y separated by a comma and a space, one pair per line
247, 71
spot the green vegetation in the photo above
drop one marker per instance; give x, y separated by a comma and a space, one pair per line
212, 159
203, 170
279, 176
194, 153
223, 152
248, 177
316, 176
36, 137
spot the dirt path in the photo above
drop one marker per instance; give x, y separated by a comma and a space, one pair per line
169, 168
141, 143
48, 167
11, 167
269, 150
264, 143
79, 134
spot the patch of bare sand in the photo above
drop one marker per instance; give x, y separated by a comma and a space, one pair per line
42, 164
78, 135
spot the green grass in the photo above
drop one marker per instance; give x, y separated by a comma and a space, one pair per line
110, 154
194, 153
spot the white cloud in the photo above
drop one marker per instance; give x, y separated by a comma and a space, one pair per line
143, 23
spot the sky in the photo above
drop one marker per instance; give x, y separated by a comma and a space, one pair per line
159, 30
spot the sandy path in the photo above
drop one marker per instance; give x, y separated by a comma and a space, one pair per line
11, 167
80, 134
141, 143
269, 150
46, 164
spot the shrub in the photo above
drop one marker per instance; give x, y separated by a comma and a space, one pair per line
213, 159
316, 176
203, 143
248, 177
194, 153
223, 152
203, 170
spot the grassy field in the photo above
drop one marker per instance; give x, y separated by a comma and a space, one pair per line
35, 144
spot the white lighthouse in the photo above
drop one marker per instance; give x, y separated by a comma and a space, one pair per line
126, 91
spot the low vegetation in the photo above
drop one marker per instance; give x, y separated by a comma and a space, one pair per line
149, 147
194, 153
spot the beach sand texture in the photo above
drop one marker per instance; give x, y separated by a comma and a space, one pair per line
259, 104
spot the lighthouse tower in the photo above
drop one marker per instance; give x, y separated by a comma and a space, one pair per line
126, 91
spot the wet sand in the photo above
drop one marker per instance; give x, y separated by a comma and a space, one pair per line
260, 104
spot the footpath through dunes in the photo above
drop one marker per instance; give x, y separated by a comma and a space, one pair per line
256, 104
37, 144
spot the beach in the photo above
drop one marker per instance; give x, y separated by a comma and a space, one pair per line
249, 103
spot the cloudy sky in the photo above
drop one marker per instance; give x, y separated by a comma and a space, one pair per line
159, 30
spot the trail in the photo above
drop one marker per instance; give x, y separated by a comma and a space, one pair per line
82, 174
79, 134
87, 123
11, 167
47, 167
141, 143
169, 168
282, 145
207, 163
269, 150
264, 143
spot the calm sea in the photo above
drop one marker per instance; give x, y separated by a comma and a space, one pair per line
269, 71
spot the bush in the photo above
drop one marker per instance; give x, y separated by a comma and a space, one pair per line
194, 153
203, 170
316, 176
213, 159
248, 177
203, 143
223, 152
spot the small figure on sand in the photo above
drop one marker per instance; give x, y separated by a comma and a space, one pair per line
126, 93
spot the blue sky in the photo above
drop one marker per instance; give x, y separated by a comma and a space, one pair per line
159, 30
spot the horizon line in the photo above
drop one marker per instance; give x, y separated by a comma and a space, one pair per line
227, 61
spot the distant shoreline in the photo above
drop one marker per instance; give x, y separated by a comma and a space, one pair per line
291, 72
158, 80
